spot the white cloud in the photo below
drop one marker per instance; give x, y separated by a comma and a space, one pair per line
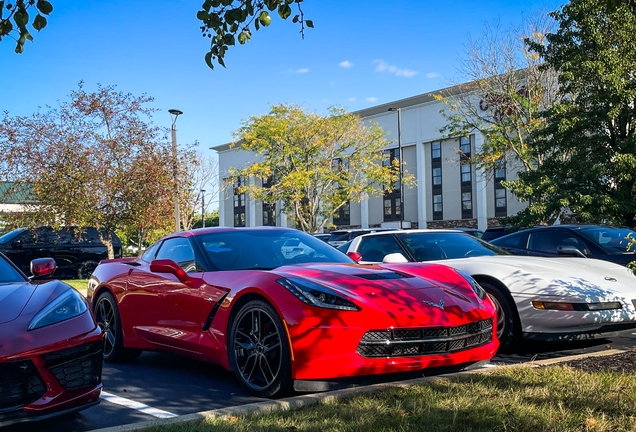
371, 99
345, 64
352, 99
303, 70
432, 75
385, 67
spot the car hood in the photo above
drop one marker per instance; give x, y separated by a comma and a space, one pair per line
380, 286
19, 298
13, 298
553, 276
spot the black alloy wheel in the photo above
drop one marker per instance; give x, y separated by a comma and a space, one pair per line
109, 320
259, 350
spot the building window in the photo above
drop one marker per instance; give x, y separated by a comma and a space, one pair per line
269, 209
438, 209
466, 173
239, 203
501, 202
464, 146
392, 210
500, 170
343, 215
467, 201
437, 176
436, 150
500, 198
269, 214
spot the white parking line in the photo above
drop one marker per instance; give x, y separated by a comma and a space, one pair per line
136, 406
489, 365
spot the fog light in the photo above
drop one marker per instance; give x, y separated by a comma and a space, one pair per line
581, 307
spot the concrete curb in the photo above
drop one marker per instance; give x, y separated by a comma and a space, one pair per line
267, 407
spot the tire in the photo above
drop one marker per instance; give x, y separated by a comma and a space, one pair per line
259, 351
508, 327
109, 320
85, 269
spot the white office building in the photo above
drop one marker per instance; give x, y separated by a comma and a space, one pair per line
448, 193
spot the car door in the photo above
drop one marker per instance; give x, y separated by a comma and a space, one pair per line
169, 312
516, 243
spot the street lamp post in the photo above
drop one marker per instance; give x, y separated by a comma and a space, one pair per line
174, 113
399, 134
202, 208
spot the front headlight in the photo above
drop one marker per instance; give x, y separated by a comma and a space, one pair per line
476, 287
316, 295
68, 305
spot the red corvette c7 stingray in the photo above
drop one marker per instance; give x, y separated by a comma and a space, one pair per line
276, 305
50, 346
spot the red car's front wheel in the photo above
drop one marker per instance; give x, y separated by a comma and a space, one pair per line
259, 351
108, 319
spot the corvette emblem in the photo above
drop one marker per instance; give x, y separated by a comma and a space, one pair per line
610, 279
437, 305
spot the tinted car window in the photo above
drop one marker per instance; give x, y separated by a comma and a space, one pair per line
375, 248
339, 236
149, 254
512, 240
550, 240
265, 249
441, 245
612, 240
180, 251
8, 273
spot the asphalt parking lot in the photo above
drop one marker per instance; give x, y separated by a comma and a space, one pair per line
161, 385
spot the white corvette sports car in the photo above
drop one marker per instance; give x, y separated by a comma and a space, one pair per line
536, 298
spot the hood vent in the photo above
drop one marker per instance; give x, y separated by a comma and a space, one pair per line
382, 276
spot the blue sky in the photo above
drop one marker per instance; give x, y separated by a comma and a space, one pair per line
361, 53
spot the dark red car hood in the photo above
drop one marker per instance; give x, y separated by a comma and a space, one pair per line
17, 298
13, 298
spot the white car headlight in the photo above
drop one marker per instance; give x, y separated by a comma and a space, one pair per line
68, 305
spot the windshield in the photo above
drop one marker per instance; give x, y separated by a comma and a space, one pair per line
612, 240
266, 249
426, 246
339, 236
8, 273
6, 238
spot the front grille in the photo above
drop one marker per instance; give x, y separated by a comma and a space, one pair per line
20, 384
77, 367
425, 341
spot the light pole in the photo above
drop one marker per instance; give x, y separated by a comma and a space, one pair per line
174, 113
399, 133
202, 208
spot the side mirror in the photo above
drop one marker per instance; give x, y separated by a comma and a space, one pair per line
356, 256
395, 258
42, 267
570, 250
169, 266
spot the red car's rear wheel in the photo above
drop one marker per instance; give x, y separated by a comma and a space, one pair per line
259, 351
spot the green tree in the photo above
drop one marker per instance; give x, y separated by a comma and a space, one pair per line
589, 134
224, 22
199, 187
313, 164
506, 92
96, 160
15, 21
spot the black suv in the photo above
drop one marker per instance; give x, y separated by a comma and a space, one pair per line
591, 241
76, 252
